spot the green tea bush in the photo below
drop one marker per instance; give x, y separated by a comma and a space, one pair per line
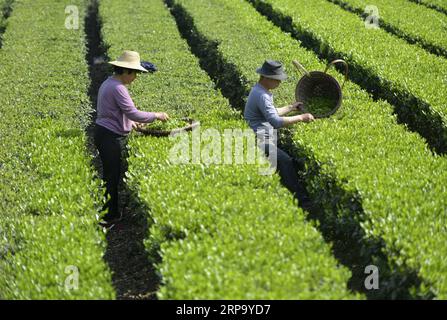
169, 125
358, 156
5, 12
415, 23
50, 244
222, 230
439, 5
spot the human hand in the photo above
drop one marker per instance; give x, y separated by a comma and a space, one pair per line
297, 106
307, 117
162, 116
137, 125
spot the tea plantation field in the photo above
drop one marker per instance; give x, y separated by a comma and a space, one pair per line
375, 224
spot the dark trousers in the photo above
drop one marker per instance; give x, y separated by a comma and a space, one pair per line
113, 153
287, 167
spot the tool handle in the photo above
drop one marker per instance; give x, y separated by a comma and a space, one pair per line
346, 69
300, 68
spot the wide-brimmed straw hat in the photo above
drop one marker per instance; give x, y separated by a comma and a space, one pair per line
272, 69
129, 60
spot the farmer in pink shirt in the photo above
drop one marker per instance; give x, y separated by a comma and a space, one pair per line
116, 117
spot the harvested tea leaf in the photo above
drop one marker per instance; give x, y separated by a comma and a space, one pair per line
319, 105
169, 125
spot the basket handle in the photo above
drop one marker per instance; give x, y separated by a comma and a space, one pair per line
346, 69
300, 68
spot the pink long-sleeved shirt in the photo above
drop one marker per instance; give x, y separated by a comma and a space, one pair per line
116, 110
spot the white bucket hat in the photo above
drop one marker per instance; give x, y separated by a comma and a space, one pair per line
129, 60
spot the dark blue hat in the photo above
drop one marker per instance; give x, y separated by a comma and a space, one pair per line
150, 67
272, 69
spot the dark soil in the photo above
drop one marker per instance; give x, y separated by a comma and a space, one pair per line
133, 274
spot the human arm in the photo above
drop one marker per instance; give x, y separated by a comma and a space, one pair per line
125, 103
162, 116
297, 106
272, 115
269, 112
305, 117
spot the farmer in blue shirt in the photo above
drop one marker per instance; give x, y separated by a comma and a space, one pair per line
263, 118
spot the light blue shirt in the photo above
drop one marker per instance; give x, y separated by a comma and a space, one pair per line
260, 112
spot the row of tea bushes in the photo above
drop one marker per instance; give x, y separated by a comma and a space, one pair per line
5, 12
359, 156
439, 5
413, 22
50, 244
222, 230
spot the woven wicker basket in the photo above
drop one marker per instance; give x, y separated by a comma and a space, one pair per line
320, 84
164, 133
